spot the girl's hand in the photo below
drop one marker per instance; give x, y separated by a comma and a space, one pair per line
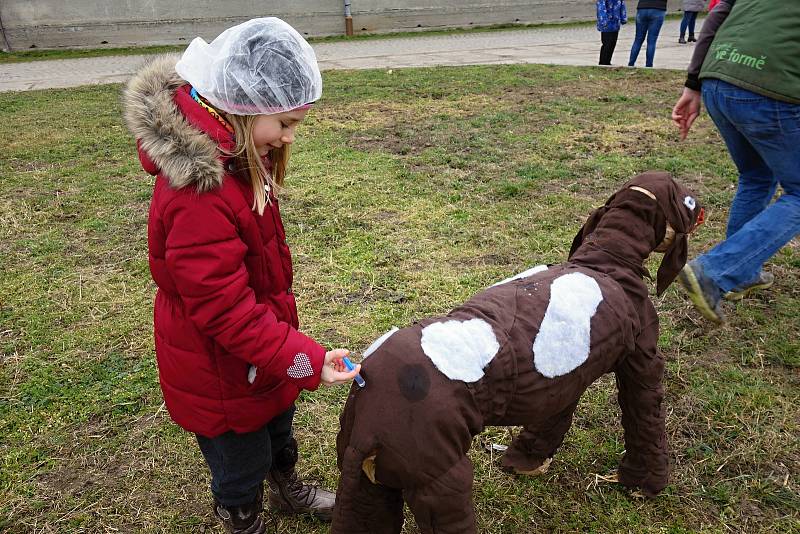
686, 110
334, 371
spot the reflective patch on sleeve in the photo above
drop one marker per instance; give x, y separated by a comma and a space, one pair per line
301, 368
562, 343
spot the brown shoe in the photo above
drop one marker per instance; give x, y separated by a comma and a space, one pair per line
290, 495
243, 519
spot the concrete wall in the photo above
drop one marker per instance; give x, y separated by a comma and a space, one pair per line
83, 23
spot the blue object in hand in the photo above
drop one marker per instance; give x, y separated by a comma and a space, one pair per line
350, 367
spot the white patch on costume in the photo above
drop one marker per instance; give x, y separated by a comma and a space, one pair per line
251, 374
562, 343
301, 368
378, 342
523, 274
689, 202
459, 349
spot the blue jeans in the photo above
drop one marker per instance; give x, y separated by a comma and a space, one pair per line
648, 23
239, 463
763, 136
689, 18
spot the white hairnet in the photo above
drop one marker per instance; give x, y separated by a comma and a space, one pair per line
261, 66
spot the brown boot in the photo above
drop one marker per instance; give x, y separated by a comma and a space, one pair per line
242, 519
290, 495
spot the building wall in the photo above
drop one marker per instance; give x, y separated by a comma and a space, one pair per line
84, 23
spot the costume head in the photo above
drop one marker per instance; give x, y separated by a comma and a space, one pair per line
262, 66
677, 205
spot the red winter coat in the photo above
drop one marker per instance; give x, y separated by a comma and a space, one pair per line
224, 273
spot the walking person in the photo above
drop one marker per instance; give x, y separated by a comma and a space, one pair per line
746, 66
690, 10
215, 130
649, 19
611, 14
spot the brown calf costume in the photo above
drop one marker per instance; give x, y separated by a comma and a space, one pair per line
519, 353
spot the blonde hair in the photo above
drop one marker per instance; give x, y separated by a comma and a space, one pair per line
248, 160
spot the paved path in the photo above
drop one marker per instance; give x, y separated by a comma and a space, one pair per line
562, 46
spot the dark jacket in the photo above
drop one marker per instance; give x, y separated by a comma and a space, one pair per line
652, 4
224, 273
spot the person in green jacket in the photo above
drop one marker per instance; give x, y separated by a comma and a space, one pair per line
746, 69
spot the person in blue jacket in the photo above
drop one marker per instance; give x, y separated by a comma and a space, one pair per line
611, 14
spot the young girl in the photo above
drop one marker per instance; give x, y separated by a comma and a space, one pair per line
215, 130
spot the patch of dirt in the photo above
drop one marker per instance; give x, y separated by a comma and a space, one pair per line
72, 481
31, 166
496, 259
367, 294
391, 129
130, 485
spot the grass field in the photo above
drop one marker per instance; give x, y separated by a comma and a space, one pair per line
408, 192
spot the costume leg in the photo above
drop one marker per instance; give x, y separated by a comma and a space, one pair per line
445, 505
538, 442
645, 464
374, 509
363, 507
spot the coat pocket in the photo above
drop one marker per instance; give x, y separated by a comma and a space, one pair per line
259, 381
251, 374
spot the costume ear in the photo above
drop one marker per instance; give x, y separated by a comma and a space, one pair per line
587, 228
674, 260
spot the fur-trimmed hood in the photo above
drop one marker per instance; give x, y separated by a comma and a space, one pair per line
168, 144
